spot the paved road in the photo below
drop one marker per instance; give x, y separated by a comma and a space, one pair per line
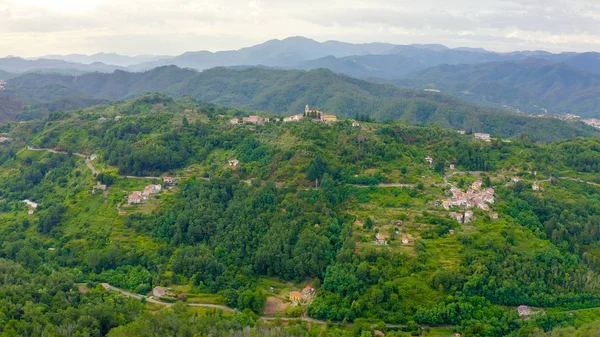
88, 162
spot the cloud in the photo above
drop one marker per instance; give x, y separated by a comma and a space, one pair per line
36, 27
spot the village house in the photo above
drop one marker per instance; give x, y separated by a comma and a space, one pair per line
159, 291
468, 216
106, 286
378, 333
297, 297
2, 84
405, 241
524, 310
233, 162
451, 232
94, 157
516, 179
151, 189
380, 240
169, 180
5, 139
234, 121
494, 215
329, 118
294, 118
458, 216
462, 132
355, 124
483, 136
429, 160
102, 118
308, 290
30, 212
253, 120
135, 198
118, 117
30, 203
51, 249
452, 166
535, 186
99, 186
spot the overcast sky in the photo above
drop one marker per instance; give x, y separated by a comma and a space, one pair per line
169, 27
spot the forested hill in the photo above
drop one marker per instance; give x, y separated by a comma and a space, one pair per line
532, 85
9, 108
287, 92
353, 214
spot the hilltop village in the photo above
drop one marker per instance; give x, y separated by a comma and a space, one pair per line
316, 115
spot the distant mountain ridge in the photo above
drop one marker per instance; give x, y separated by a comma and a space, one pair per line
20, 65
105, 58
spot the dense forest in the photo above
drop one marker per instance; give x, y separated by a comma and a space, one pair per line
258, 211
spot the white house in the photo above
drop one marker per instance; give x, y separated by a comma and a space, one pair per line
483, 136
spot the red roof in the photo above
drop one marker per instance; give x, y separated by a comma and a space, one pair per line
308, 288
296, 294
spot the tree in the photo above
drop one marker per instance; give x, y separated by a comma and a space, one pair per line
316, 168
369, 223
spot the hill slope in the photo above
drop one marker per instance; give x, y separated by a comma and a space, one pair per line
287, 92
244, 235
532, 85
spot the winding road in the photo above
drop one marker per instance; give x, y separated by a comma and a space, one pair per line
226, 308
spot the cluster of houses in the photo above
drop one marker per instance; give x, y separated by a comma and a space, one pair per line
299, 297
319, 115
475, 196
32, 206
2, 85
138, 196
5, 139
249, 120
117, 118
483, 137
462, 218
316, 115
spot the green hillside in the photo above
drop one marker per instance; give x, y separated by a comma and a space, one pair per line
534, 86
302, 206
285, 93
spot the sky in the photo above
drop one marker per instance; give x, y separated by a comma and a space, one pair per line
30, 28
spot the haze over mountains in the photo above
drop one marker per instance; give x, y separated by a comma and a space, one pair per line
532, 81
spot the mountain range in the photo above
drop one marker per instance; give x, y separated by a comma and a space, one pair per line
530, 81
